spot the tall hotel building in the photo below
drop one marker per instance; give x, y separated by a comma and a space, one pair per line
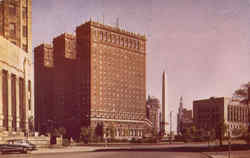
102, 75
16, 96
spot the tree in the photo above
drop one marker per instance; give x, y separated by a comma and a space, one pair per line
31, 124
85, 134
187, 134
110, 132
246, 137
193, 130
99, 131
62, 131
221, 131
242, 93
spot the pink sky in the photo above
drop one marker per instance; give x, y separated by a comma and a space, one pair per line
204, 46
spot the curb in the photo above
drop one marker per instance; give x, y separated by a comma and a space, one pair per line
51, 151
206, 154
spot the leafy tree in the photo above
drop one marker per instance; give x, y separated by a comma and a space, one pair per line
187, 134
193, 130
246, 137
31, 124
62, 131
221, 131
85, 134
242, 93
110, 132
211, 135
99, 131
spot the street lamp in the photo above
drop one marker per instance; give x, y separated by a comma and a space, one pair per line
171, 127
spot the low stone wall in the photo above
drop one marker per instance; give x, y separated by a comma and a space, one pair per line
40, 141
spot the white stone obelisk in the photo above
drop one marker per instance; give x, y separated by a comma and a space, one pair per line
163, 121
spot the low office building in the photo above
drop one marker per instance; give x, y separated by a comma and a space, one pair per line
208, 113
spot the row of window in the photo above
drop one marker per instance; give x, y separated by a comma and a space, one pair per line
13, 30
238, 114
13, 10
119, 40
117, 115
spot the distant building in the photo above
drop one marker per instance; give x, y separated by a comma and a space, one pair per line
16, 95
184, 118
153, 112
97, 75
249, 93
208, 113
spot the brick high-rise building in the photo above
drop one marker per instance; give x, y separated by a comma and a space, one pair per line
15, 22
113, 77
100, 76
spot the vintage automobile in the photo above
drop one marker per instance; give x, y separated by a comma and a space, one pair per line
17, 145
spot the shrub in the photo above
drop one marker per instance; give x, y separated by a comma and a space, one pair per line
65, 142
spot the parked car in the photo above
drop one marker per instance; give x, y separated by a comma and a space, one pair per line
17, 145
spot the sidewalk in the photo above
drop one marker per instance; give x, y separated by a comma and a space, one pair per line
65, 149
233, 154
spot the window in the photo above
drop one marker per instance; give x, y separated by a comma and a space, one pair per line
13, 29
12, 9
101, 35
25, 12
105, 36
24, 31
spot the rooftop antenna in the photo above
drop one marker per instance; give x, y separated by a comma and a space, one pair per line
117, 22
103, 18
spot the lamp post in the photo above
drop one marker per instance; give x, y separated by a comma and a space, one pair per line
171, 127
229, 144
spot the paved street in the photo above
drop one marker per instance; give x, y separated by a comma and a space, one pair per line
132, 151
109, 155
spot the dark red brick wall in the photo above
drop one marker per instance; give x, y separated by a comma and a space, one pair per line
43, 88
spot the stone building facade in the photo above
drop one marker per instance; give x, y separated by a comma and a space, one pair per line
16, 21
209, 112
237, 115
153, 113
16, 96
100, 75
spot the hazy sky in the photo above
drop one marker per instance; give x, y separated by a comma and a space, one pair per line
203, 45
